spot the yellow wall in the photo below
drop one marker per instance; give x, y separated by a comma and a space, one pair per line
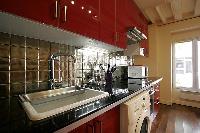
159, 60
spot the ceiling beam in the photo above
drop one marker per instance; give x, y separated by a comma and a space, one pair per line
176, 9
197, 8
160, 11
151, 15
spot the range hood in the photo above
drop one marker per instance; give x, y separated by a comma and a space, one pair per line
135, 36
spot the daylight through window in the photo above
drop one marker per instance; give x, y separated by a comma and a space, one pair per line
186, 64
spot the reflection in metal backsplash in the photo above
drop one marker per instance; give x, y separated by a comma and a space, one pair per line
91, 65
64, 68
88, 65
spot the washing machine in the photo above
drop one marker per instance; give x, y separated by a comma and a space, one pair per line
135, 114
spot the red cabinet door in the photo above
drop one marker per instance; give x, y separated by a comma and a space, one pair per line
121, 23
80, 129
128, 16
71, 16
93, 23
131, 17
107, 21
42, 11
109, 122
80, 17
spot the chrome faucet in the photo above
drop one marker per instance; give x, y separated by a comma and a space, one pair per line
53, 57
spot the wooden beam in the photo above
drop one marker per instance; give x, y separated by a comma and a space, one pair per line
176, 9
197, 8
161, 13
151, 14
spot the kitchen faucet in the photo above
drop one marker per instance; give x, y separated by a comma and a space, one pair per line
53, 57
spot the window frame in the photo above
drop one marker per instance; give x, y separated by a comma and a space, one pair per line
195, 82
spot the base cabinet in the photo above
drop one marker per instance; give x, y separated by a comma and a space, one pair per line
108, 122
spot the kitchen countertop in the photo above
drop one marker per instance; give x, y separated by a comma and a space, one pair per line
73, 118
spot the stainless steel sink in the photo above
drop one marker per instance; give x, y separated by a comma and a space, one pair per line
40, 105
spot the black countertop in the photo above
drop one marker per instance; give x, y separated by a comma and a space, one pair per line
82, 114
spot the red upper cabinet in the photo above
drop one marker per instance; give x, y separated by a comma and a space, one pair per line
81, 17
121, 23
107, 21
92, 24
104, 20
71, 16
44, 11
128, 16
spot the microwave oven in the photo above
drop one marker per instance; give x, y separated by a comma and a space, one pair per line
137, 71
122, 73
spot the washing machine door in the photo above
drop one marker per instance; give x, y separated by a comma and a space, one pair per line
145, 126
144, 122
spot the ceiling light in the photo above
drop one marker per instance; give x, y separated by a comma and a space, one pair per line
82, 7
89, 11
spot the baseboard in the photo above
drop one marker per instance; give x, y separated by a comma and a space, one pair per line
192, 96
187, 103
167, 102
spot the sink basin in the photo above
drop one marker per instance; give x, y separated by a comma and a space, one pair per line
40, 105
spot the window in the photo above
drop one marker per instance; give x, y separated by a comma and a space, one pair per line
186, 64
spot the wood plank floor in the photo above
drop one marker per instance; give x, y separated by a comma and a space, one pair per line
176, 119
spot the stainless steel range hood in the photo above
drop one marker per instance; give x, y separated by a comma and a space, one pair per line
135, 36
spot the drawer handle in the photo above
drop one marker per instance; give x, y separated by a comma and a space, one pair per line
100, 123
65, 13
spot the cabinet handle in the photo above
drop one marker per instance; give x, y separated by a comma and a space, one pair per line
116, 36
65, 12
100, 123
90, 126
56, 9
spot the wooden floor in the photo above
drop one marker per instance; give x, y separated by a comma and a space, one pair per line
176, 119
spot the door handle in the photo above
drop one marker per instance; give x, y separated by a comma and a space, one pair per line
90, 126
100, 123
56, 9
65, 13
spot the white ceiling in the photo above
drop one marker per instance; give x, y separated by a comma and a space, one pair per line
167, 11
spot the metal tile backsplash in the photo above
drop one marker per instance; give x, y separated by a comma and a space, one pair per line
24, 64
24, 69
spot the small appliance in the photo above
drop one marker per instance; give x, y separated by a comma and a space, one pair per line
123, 73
